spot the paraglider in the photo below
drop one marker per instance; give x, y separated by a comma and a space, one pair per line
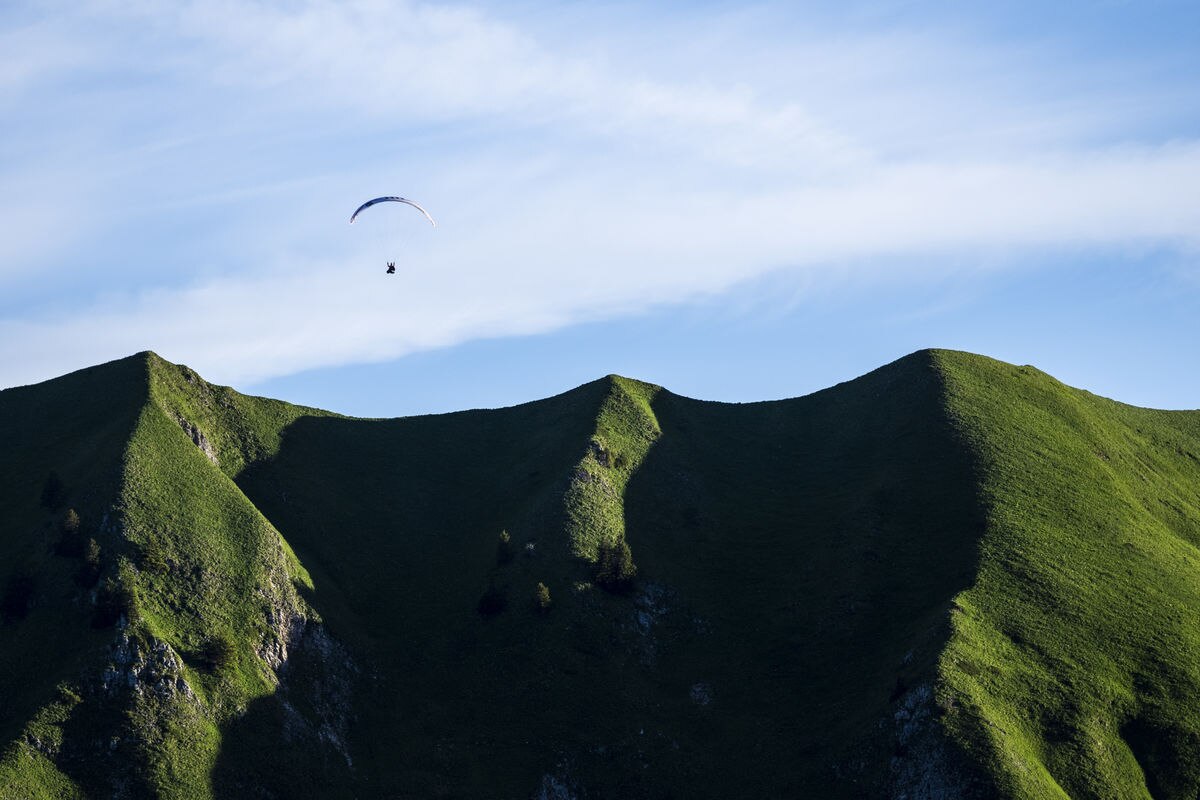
391, 267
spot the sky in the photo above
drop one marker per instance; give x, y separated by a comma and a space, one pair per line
736, 201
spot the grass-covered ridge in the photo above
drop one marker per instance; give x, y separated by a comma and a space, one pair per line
950, 575
1074, 668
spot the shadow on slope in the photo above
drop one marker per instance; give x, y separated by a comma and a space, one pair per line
75, 426
806, 552
398, 523
797, 560
1073, 664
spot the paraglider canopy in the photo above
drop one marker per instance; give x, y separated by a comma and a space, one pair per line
370, 203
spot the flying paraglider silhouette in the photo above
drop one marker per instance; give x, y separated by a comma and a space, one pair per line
391, 267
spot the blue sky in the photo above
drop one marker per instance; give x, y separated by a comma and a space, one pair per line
736, 201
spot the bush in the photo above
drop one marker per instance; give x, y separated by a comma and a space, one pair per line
114, 600
492, 602
18, 596
70, 544
54, 491
153, 557
541, 598
89, 570
504, 548
615, 569
217, 652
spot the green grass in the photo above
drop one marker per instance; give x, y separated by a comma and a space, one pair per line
1074, 668
806, 572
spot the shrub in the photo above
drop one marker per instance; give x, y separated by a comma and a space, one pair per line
153, 557
70, 544
615, 569
54, 491
217, 652
492, 602
541, 598
18, 596
89, 570
114, 600
504, 548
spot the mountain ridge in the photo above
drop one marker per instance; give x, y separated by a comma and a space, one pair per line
307, 600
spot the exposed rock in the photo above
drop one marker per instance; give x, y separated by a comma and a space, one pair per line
599, 453
199, 439
924, 766
554, 787
154, 671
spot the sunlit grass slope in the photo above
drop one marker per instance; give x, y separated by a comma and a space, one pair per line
950, 577
794, 562
120, 685
1074, 667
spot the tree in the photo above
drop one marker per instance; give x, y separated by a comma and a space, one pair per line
54, 491
89, 570
615, 569
504, 548
70, 544
217, 652
114, 599
541, 598
153, 556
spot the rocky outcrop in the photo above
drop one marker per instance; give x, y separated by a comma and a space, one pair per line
199, 439
151, 668
925, 764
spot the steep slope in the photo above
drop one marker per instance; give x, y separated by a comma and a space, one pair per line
186, 615
74, 429
794, 567
950, 577
1074, 668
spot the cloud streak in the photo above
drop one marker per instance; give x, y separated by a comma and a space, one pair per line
570, 184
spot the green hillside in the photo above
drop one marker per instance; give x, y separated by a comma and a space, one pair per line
950, 577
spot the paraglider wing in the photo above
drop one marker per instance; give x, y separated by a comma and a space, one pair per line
370, 203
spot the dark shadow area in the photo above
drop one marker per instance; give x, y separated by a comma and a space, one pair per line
61, 446
807, 551
796, 562
397, 522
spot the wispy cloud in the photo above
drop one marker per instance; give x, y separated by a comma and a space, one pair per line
573, 180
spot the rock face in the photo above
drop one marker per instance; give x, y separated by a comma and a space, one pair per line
155, 669
199, 439
925, 767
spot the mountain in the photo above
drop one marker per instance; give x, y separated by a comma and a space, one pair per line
950, 577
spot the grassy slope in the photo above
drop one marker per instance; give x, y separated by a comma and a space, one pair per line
77, 426
796, 562
791, 555
197, 561
1074, 668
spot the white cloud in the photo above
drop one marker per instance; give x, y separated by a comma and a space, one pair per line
571, 182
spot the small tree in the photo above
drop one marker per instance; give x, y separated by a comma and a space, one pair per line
217, 652
615, 569
114, 599
54, 491
70, 544
153, 556
89, 570
504, 548
541, 598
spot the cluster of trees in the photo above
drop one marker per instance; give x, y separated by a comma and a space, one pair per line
495, 599
615, 569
